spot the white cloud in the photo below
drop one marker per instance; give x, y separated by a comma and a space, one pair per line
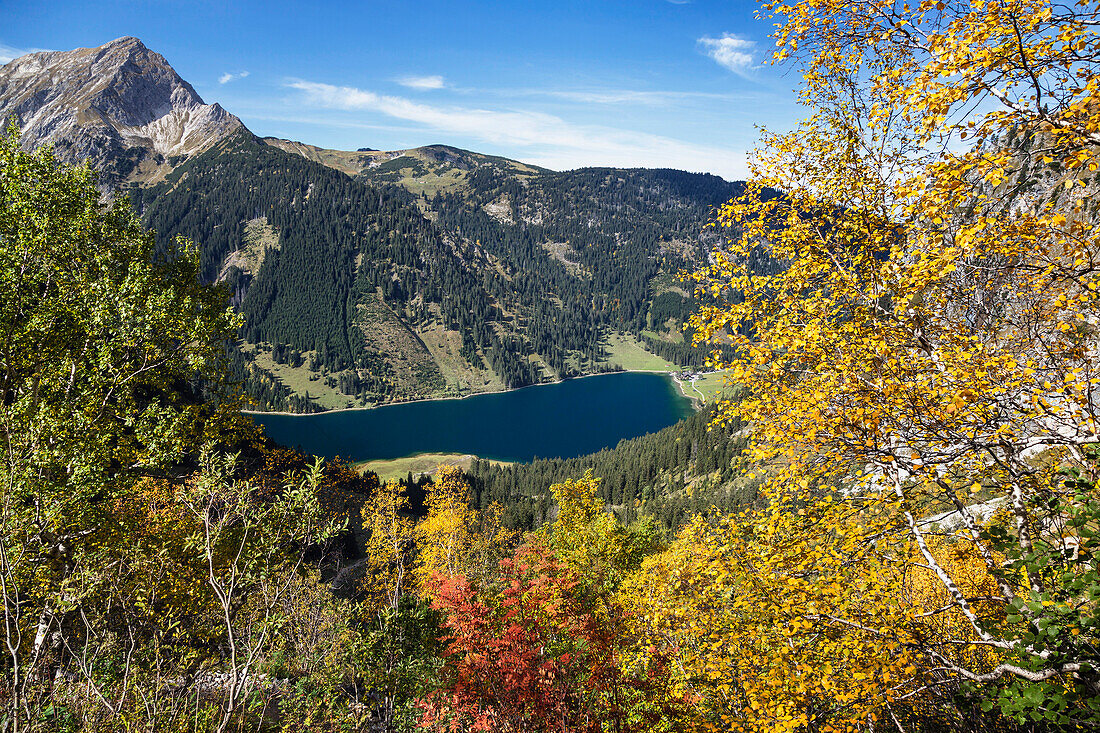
7, 53
730, 51
610, 96
626, 96
422, 83
542, 138
228, 77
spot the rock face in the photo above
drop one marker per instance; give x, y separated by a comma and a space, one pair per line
121, 107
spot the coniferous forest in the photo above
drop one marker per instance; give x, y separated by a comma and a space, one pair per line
891, 522
337, 245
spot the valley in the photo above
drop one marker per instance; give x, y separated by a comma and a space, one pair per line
307, 439
371, 277
387, 295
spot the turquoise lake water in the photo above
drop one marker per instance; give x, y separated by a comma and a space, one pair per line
562, 420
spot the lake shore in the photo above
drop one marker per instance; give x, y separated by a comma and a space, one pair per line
576, 417
419, 464
697, 399
467, 396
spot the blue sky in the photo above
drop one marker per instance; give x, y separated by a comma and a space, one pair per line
562, 84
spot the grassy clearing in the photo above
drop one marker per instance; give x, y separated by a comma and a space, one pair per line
460, 377
413, 368
666, 282
433, 183
260, 237
669, 332
346, 161
300, 382
419, 464
427, 182
559, 250
711, 386
625, 351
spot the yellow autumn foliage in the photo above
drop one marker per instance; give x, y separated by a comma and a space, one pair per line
388, 548
772, 620
585, 536
453, 539
910, 289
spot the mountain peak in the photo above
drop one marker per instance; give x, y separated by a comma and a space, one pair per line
120, 106
124, 41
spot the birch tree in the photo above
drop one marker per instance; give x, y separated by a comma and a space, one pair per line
921, 347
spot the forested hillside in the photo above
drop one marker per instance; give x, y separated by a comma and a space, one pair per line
672, 475
623, 235
612, 230
362, 292
891, 524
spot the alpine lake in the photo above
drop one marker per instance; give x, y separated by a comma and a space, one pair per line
561, 420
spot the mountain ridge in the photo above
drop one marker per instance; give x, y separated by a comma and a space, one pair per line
374, 276
120, 106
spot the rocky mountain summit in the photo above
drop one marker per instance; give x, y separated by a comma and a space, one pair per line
120, 106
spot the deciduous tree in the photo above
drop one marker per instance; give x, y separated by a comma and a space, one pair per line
100, 348
534, 659
453, 539
586, 537
389, 547
923, 341
246, 541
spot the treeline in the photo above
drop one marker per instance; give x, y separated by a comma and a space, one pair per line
684, 353
340, 242
620, 227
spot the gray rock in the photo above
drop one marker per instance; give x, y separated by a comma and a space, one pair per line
121, 107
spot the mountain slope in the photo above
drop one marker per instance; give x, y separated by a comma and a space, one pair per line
419, 170
372, 276
616, 236
120, 106
332, 270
